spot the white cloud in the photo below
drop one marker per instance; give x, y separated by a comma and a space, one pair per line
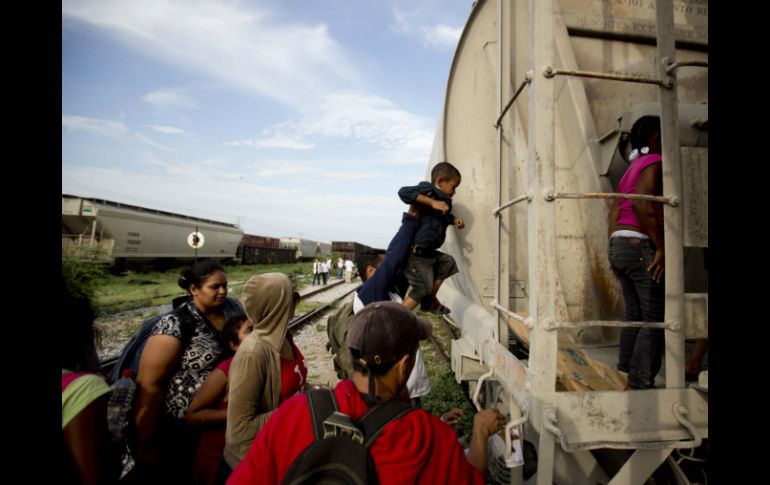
152, 143
167, 130
443, 36
95, 126
310, 171
169, 98
278, 140
107, 128
240, 43
401, 135
422, 23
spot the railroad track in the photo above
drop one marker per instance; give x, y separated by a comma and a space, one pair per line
302, 319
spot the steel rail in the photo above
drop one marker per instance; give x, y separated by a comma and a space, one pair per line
307, 316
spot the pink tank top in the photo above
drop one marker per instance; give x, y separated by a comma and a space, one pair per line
67, 379
627, 185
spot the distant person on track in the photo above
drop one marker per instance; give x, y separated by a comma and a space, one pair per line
208, 408
348, 270
413, 448
87, 454
316, 272
636, 254
340, 267
426, 267
326, 266
171, 370
268, 367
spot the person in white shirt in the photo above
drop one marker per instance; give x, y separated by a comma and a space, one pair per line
348, 270
325, 270
316, 272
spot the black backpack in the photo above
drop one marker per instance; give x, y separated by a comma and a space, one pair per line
340, 452
337, 331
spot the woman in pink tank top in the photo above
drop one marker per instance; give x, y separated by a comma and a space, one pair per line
636, 254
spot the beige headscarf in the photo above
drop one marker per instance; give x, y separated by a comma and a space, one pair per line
267, 300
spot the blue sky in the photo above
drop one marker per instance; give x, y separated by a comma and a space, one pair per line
294, 118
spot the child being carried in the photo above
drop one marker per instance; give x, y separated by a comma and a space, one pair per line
426, 267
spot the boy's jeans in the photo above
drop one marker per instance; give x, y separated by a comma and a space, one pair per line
641, 349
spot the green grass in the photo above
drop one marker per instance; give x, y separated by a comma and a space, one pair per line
137, 290
445, 392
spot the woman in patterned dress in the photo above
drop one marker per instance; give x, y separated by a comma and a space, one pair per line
171, 371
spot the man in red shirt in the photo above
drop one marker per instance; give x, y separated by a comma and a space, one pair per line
383, 339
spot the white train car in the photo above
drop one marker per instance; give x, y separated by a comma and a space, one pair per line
539, 102
113, 232
306, 249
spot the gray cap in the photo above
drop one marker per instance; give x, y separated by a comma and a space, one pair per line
384, 331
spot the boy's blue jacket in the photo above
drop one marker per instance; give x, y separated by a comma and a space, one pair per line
433, 223
389, 275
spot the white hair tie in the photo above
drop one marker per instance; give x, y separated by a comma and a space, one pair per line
636, 152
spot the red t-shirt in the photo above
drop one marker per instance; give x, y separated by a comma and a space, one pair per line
211, 442
417, 448
293, 374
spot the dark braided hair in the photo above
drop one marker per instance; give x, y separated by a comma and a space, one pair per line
644, 129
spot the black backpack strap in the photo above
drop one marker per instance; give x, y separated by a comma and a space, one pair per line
379, 416
187, 324
322, 404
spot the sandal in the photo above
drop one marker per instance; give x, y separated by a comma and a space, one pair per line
439, 309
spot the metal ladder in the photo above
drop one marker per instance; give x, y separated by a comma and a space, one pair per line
541, 197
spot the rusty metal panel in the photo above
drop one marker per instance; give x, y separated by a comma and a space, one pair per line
624, 416
636, 18
695, 173
696, 323
465, 362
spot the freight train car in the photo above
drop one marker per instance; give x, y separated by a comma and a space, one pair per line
113, 232
306, 249
540, 99
263, 250
350, 249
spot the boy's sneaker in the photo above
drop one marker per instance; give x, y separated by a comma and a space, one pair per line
436, 307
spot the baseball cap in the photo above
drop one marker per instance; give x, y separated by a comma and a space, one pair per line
384, 331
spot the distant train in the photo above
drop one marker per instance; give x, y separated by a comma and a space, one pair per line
122, 234
261, 249
306, 249
350, 249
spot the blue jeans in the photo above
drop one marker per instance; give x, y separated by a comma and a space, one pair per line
641, 349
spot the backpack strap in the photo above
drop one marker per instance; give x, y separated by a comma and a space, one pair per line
186, 324
322, 404
380, 416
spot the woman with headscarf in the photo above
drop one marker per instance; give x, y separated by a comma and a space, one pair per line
268, 368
